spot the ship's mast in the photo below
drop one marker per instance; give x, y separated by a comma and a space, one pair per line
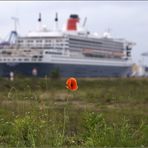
56, 22
84, 23
40, 22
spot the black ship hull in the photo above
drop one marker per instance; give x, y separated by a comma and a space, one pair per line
65, 70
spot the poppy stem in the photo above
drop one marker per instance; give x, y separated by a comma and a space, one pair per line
64, 124
64, 117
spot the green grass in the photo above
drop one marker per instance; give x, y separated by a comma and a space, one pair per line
109, 112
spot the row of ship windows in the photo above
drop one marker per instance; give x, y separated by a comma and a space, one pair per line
46, 45
106, 42
62, 43
41, 41
20, 60
73, 46
84, 42
58, 53
95, 47
100, 41
43, 47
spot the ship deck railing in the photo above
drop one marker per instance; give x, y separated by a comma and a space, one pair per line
18, 59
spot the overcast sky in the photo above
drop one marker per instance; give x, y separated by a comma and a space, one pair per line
126, 19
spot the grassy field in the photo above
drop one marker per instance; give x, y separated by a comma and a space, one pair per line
102, 112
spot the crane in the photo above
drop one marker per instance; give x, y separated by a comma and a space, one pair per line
13, 34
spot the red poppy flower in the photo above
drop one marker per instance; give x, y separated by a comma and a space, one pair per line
71, 84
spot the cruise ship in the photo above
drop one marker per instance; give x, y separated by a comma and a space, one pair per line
73, 51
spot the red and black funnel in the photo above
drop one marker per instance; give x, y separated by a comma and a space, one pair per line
72, 22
